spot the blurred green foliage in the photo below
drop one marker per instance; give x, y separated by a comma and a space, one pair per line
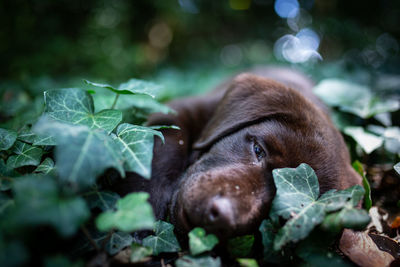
115, 40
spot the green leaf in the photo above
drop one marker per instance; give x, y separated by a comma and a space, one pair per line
296, 199
268, 232
104, 200
82, 153
315, 250
25, 155
133, 213
247, 262
241, 246
75, 106
118, 241
139, 253
188, 261
397, 167
392, 139
367, 195
46, 166
37, 202
335, 200
112, 244
133, 86
6, 174
199, 242
7, 138
164, 239
368, 142
346, 218
136, 145
27, 136
353, 98
161, 127
41, 140
104, 99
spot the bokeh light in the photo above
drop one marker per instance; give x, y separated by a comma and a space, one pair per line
287, 8
298, 48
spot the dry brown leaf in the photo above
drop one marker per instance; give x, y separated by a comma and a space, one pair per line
362, 250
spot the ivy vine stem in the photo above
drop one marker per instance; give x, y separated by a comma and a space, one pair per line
115, 101
86, 233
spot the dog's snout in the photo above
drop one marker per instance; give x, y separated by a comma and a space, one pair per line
220, 213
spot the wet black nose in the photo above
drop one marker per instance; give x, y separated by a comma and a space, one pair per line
220, 214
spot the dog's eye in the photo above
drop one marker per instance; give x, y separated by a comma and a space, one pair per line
258, 150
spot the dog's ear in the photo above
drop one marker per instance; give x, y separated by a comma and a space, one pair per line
250, 99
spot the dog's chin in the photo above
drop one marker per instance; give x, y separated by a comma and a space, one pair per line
179, 219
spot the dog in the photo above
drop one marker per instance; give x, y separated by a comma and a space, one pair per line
216, 171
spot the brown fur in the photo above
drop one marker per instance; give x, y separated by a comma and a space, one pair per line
208, 175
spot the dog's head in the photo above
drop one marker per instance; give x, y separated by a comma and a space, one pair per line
259, 125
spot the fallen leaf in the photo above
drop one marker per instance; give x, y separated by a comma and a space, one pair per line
362, 250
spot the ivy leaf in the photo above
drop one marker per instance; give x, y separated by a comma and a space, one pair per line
27, 136
133, 86
82, 153
240, 247
335, 200
118, 241
346, 218
104, 99
268, 232
104, 200
37, 202
199, 242
6, 172
353, 98
46, 167
188, 261
367, 195
315, 251
7, 138
397, 167
368, 142
133, 213
44, 141
139, 253
25, 155
114, 244
161, 127
136, 145
75, 106
164, 239
296, 199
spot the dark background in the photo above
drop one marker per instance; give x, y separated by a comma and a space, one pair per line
47, 40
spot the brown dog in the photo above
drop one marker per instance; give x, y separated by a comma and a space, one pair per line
216, 172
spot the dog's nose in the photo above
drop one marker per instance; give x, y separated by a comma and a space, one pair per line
220, 213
